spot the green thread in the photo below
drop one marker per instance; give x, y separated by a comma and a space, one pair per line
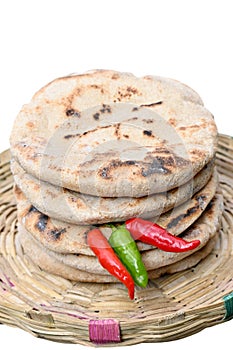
228, 303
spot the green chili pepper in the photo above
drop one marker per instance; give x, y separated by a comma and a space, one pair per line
127, 251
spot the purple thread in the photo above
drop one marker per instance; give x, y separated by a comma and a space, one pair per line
104, 331
10, 284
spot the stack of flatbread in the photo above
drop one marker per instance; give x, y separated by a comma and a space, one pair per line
103, 147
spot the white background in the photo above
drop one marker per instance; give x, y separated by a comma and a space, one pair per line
187, 40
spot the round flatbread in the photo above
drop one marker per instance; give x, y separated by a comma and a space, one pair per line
112, 134
69, 238
203, 229
76, 208
28, 248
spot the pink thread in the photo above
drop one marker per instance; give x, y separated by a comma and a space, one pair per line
104, 331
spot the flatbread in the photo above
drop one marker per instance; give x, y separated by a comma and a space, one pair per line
28, 248
69, 238
80, 209
203, 229
112, 134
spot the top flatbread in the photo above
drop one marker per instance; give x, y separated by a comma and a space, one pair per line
111, 134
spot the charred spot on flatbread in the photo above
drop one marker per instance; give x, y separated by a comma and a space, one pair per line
33, 209
147, 132
42, 222
190, 212
70, 136
105, 108
151, 104
96, 116
56, 234
72, 113
157, 166
106, 172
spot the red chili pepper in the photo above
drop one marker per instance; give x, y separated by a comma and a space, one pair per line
109, 260
151, 233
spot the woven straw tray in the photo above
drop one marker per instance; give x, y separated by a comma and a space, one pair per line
171, 307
